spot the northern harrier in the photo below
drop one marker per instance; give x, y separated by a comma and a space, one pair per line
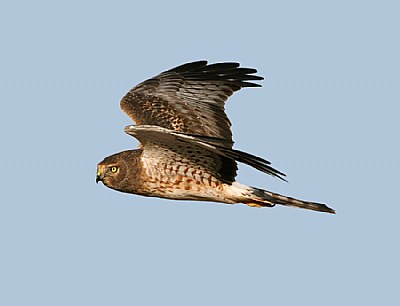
185, 150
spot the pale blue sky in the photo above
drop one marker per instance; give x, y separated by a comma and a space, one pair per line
327, 115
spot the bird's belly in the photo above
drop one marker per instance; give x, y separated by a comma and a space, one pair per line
185, 188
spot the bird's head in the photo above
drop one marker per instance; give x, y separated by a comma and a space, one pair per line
117, 170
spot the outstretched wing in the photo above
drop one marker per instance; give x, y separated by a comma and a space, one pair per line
189, 98
197, 150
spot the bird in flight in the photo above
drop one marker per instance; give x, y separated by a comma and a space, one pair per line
186, 148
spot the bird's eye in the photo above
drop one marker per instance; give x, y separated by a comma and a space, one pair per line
114, 169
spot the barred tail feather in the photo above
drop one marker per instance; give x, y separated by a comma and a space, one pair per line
268, 198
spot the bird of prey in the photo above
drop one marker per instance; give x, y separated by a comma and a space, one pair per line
186, 148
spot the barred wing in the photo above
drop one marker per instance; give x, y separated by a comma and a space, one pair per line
189, 98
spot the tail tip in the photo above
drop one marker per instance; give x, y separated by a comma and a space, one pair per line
329, 210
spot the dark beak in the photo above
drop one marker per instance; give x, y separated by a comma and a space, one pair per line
99, 177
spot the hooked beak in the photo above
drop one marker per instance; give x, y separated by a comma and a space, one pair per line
99, 177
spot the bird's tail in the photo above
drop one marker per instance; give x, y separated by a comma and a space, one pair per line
263, 198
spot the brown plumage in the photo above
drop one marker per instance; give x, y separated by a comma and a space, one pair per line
186, 142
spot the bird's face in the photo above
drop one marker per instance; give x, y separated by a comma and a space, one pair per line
118, 170
112, 170
108, 173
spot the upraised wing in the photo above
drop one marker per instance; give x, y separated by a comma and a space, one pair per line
196, 149
189, 98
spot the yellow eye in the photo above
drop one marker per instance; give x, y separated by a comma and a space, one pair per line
114, 169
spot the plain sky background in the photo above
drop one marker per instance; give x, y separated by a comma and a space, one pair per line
327, 115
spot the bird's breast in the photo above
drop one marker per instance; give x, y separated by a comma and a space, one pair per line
179, 179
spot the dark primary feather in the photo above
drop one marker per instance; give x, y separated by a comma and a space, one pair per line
188, 66
189, 98
254, 161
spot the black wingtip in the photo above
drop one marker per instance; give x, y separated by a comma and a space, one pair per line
187, 67
238, 77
